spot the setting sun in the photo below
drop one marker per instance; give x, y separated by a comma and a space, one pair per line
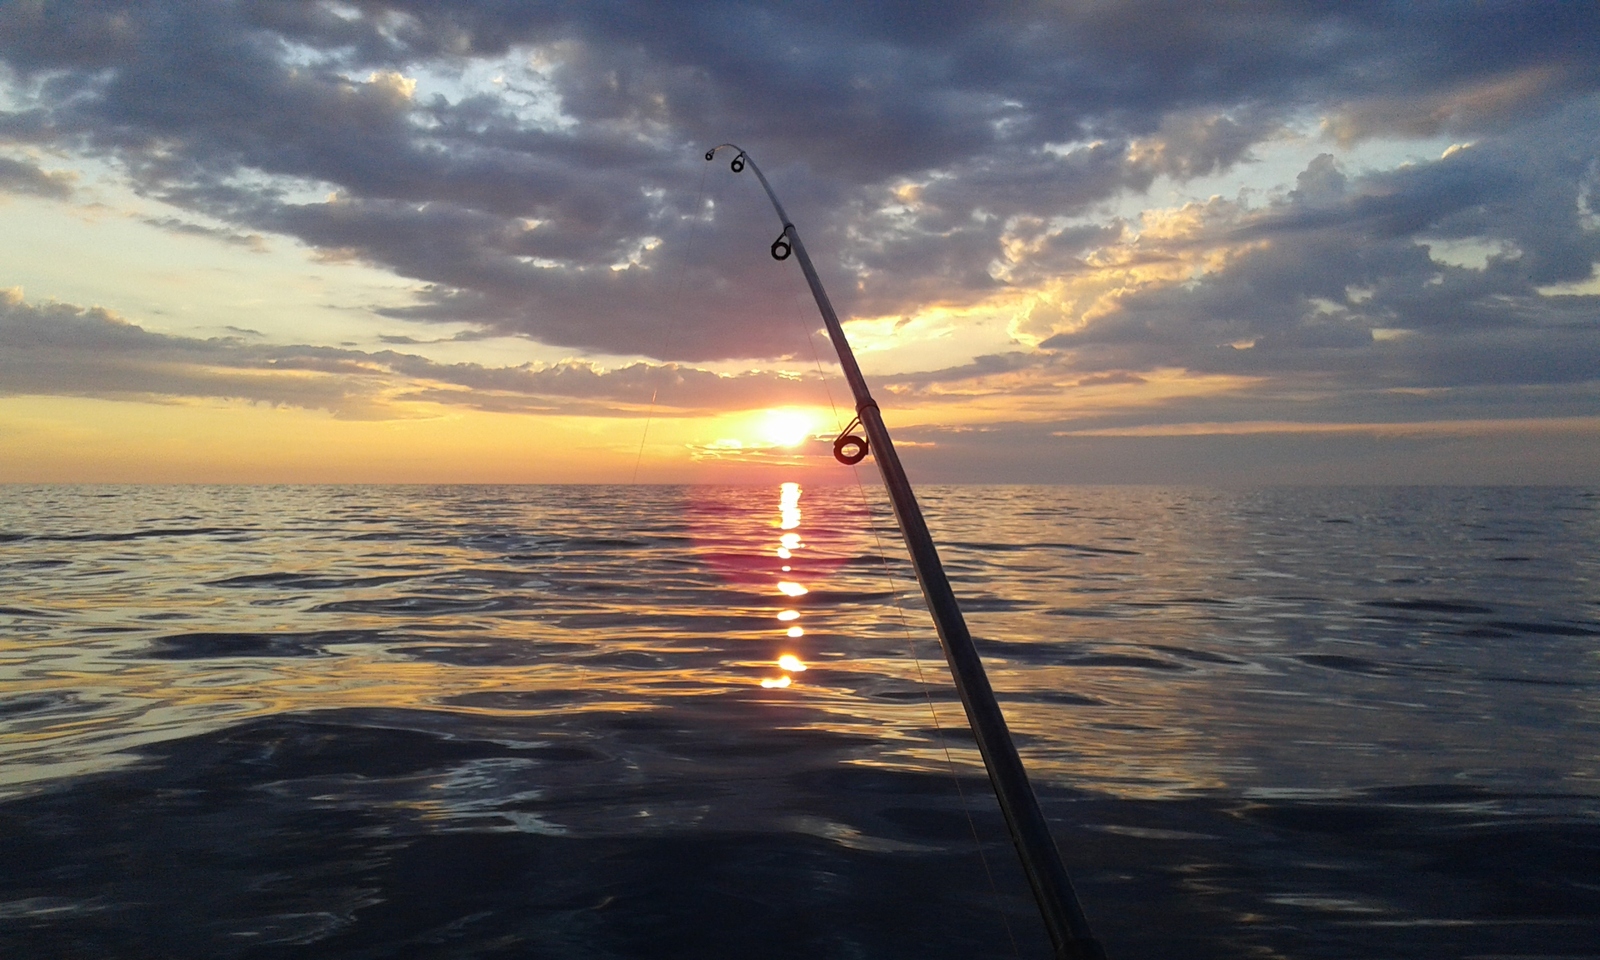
788, 426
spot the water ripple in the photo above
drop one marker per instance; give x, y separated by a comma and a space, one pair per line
590, 721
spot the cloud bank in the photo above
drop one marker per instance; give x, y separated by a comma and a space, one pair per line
65, 350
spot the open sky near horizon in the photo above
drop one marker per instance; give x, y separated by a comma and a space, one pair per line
1118, 241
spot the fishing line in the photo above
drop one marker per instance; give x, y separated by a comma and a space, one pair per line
927, 693
672, 306
911, 646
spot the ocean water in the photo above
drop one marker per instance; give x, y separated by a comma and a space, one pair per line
572, 722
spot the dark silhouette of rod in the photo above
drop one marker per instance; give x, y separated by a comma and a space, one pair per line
1041, 861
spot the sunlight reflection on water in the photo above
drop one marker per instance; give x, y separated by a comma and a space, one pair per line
789, 517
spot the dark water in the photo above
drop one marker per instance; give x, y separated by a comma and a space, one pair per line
531, 722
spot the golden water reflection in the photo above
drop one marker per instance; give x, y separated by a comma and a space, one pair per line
789, 518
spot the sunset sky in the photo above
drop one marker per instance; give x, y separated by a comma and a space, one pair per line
425, 240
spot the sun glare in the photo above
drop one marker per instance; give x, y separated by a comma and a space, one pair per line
788, 426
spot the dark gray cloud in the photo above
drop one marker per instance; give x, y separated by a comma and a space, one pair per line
1035, 453
56, 349
253, 241
1359, 277
16, 176
1004, 117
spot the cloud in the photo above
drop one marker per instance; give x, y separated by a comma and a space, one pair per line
252, 241
1502, 452
17, 176
1431, 275
55, 349
550, 194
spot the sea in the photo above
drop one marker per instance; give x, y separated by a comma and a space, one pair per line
706, 722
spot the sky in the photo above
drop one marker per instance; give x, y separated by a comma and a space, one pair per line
1072, 242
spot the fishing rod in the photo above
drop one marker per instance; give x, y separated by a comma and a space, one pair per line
1041, 861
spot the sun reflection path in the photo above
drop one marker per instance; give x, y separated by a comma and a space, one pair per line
790, 541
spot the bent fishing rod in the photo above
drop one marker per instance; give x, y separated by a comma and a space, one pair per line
1041, 861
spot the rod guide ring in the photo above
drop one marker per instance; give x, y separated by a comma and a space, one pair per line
848, 448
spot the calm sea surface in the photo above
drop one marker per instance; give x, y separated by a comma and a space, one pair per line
595, 722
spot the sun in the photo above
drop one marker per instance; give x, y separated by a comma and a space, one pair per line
788, 426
